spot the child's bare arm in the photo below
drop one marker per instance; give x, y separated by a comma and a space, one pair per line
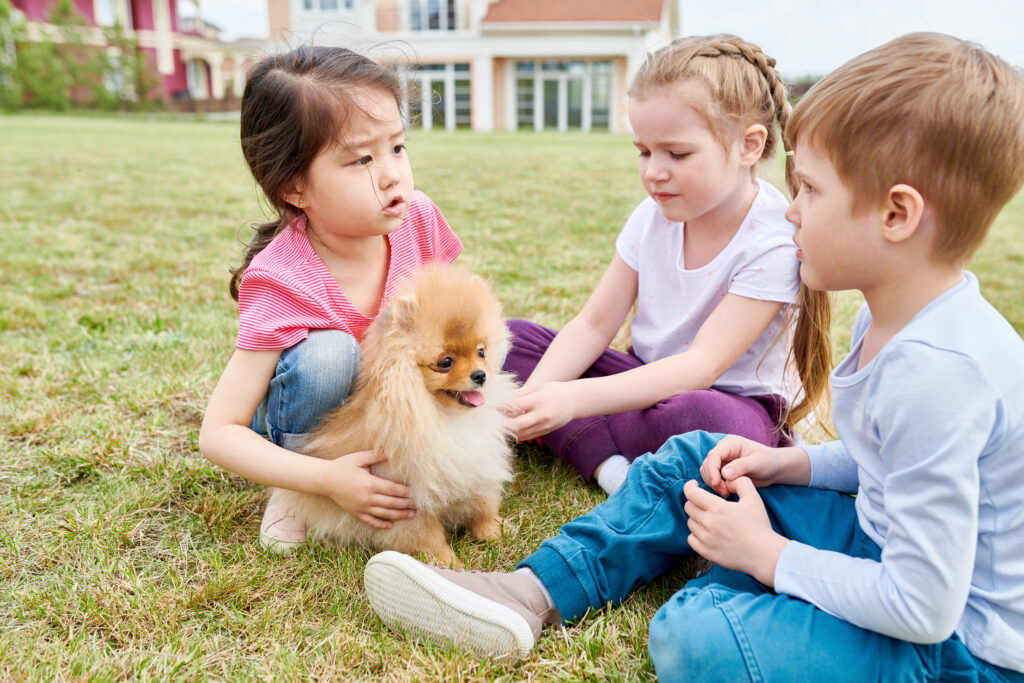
728, 332
226, 440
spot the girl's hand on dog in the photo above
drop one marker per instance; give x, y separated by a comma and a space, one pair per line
535, 412
374, 500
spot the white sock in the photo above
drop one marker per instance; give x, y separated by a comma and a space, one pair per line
536, 579
613, 473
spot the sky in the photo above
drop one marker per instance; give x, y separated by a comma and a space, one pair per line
806, 37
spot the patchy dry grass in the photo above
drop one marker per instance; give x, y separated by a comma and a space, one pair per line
123, 553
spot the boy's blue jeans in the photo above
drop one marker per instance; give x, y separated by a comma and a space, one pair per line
725, 625
312, 378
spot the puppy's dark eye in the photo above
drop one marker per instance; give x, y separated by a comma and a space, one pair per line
446, 363
480, 352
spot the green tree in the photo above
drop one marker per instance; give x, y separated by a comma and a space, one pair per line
68, 67
10, 85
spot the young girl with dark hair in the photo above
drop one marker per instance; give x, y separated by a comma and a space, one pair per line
323, 136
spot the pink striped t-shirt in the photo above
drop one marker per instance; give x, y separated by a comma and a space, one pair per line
287, 290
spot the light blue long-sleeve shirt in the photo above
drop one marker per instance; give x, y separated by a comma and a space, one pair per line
932, 441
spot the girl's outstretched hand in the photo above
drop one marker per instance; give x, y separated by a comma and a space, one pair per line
734, 457
734, 534
374, 500
544, 409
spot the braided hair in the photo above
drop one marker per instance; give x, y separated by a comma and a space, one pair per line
745, 89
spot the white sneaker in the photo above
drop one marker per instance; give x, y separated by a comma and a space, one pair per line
491, 614
280, 532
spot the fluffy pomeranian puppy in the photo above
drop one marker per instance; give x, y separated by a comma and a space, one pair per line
429, 394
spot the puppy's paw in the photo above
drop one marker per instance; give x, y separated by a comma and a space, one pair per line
486, 528
446, 559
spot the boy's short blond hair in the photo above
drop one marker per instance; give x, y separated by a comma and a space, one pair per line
935, 112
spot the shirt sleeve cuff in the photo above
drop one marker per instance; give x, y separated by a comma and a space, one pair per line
832, 467
794, 555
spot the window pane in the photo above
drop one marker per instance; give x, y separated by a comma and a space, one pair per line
524, 103
328, 5
463, 115
416, 20
103, 12
575, 94
550, 104
415, 95
437, 103
451, 15
601, 98
433, 14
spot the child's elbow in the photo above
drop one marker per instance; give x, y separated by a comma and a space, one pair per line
931, 634
933, 625
207, 441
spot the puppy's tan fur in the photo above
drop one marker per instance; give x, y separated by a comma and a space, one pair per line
455, 457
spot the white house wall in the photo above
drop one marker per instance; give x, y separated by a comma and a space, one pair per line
480, 46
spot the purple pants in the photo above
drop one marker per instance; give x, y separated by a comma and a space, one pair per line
589, 441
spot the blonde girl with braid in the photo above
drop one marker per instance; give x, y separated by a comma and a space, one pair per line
709, 261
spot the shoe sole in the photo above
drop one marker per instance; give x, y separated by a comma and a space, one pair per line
409, 596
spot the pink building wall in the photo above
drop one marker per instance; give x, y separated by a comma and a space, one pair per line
39, 10
142, 15
142, 20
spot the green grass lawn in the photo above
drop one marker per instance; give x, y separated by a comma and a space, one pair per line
123, 553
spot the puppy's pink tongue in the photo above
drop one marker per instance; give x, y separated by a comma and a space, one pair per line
473, 398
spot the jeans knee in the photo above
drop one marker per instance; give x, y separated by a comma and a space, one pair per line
327, 361
680, 457
313, 377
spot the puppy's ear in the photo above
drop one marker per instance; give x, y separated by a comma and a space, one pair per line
401, 313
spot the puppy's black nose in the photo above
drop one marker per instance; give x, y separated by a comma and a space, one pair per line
478, 376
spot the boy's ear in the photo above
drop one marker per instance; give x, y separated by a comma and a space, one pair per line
754, 138
903, 209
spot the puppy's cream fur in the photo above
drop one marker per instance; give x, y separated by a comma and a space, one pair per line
418, 380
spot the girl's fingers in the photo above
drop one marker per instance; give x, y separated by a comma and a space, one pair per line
384, 502
375, 522
390, 514
386, 487
367, 458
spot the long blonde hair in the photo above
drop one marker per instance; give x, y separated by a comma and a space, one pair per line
745, 89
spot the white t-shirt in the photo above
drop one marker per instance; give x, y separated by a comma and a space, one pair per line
673, 302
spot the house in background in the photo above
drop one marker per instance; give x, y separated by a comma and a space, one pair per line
495, 64
185, 54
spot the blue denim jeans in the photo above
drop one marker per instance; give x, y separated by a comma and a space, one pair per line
312, 378
725, 625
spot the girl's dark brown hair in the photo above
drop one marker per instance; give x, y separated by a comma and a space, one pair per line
294, 106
